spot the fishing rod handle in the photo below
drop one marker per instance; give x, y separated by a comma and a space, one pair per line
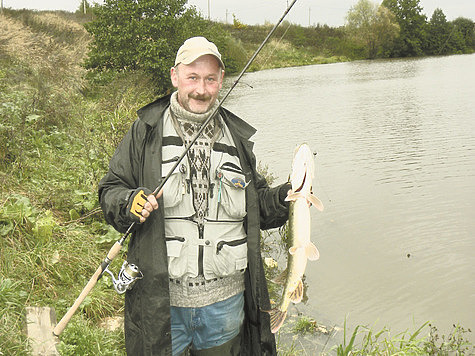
113, 252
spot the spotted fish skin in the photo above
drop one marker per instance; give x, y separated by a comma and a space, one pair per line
301, 248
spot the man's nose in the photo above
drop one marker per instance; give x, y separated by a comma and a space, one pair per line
201, 87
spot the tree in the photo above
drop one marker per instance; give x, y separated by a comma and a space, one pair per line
371, 24
141, 35
465, 29
84, 7
449, 37
439, 31
144, 35
412, 22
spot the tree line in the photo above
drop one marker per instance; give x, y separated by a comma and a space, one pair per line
145, 35
398, 28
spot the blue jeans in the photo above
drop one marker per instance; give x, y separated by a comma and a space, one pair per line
208, 326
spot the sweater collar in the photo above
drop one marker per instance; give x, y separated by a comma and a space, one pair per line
184, 115
152, 114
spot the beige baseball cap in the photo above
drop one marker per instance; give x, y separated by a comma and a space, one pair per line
196, 47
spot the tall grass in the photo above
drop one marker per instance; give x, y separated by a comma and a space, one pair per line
57, 133
424, 340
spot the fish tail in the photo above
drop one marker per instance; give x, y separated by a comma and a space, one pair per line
277, 318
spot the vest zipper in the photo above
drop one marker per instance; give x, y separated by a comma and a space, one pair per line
201, 228
230, 167
175, 238
224, 221
234, 243
188, 218
173, 159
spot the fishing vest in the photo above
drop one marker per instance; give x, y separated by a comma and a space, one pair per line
218, 247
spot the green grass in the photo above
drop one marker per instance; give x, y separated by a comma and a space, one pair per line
84, 338
424, 340
57, 133
305, 325
45, 263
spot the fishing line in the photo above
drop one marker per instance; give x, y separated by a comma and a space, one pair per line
321, 189
275, 47
447, 40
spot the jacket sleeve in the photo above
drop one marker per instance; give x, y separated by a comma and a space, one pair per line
122, 177
273, 210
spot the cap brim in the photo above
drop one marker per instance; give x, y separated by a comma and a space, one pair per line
193, 58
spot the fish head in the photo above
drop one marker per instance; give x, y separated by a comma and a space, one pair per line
303, 168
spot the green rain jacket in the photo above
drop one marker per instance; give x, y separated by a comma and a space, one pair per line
137, 163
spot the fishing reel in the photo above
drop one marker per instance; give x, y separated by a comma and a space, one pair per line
128, 275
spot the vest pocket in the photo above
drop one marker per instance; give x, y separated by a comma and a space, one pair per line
232, 192
177, 259
182, 249
227, 257
177, 198
226, 254
174, 187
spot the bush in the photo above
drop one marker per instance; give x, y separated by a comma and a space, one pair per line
142, 35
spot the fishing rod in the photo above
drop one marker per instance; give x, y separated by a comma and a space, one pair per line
130, 273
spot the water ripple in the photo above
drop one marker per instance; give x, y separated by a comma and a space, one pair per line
396, 171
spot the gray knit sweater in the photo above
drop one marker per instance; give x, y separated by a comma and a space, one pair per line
199, 292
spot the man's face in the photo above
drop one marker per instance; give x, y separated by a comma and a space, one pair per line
198, 83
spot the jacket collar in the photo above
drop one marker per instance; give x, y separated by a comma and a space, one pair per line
152, 113
238, 125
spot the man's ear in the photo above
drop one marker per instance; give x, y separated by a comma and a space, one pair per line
222, 78
174, 76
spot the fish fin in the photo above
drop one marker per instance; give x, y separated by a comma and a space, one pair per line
280, 279
312, 252
293, 196
315, 202
277, 318
297, 294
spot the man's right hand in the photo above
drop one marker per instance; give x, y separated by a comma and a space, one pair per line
142, 203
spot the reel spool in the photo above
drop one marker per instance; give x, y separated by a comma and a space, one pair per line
128, 275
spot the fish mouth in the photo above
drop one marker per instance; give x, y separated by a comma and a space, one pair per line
303, 182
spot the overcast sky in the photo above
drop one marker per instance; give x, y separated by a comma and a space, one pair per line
304, 12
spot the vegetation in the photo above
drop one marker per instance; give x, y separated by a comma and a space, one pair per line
372, 25
145, 35
294, 45
67, 97
405, 343
130, 35
419, 37
57, 133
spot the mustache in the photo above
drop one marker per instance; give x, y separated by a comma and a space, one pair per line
201, 97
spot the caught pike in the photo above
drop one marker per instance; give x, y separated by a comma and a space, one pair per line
302, 249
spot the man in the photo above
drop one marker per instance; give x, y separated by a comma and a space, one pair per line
197, 243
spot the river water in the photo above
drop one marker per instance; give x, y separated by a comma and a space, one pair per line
395, 169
